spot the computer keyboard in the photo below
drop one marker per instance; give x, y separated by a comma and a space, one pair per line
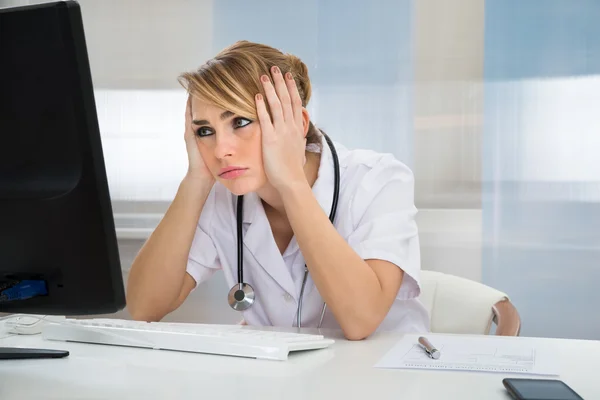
230, 340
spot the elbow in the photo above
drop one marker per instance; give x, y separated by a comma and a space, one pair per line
363, 324
138, 313
355, 336
135, 312
141, 315
360, 330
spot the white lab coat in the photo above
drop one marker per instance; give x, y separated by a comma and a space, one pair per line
375, 216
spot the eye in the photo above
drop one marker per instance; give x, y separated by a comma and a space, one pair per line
204, 131
241, 122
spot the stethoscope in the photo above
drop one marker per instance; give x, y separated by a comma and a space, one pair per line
241, 296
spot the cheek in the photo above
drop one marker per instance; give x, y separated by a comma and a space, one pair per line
207, 154
249, 147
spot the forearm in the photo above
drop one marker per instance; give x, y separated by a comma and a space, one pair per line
339, 273
158, 271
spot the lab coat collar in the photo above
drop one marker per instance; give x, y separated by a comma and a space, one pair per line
260, 244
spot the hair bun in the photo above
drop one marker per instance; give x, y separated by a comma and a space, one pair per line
300, 73
297, 66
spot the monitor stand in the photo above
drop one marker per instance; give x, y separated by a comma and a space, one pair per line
19, 353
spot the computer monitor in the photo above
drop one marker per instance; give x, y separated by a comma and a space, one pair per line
58, 246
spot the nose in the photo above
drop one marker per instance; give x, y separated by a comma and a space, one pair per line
225, 146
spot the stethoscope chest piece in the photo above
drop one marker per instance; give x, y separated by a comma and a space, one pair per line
241, 297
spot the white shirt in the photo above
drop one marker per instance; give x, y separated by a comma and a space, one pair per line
375, 216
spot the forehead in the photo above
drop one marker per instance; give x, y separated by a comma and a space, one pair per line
203, 109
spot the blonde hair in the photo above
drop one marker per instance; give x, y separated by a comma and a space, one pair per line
231, 79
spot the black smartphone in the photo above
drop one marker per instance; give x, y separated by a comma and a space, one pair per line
539, 389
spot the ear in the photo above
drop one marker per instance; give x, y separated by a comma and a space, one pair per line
305, 121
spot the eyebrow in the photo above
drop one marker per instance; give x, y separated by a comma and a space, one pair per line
223, 117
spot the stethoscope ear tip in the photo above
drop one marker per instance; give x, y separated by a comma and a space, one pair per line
241, 297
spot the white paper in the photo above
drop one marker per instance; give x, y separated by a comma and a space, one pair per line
473, 353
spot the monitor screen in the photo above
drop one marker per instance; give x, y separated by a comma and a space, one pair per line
58, 246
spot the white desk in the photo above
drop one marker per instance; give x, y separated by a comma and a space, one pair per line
344, 371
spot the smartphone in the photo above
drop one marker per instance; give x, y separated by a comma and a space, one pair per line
539, 389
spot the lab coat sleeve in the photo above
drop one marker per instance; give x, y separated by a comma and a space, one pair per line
384, 226
203, 259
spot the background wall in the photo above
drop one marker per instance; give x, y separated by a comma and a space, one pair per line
541, 170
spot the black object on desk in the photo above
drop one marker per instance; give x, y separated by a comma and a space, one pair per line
14, 353
539, 389
58, 245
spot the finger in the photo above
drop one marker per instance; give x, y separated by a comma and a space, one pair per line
284, 96
273, 100
296, 100
266, 126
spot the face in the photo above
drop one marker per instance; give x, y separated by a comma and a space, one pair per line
231, 147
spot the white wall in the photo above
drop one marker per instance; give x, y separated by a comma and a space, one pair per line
448, 102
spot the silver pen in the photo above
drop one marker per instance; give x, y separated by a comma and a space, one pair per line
429, 349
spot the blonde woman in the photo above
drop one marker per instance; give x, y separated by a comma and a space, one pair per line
261, 179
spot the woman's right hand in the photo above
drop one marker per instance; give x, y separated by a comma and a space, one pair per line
197, 169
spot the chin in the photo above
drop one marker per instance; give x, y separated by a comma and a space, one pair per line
241, 186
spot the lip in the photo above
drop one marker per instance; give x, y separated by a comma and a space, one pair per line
231, 172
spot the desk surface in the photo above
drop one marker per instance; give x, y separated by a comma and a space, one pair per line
344, 371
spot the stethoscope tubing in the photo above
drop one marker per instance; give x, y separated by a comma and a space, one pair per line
241, 296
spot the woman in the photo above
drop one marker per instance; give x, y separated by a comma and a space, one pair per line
250, 142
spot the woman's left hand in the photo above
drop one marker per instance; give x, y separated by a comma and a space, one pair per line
283, 139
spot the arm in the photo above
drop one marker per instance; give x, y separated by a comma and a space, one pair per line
335, 267
338, 270
158, 282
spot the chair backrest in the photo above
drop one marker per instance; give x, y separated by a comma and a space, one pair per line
460, 305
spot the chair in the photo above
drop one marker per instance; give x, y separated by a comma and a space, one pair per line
463, 306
